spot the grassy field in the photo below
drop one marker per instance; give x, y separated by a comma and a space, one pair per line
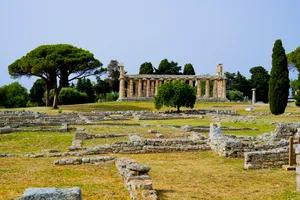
193, 175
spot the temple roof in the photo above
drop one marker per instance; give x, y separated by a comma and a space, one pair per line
170, 76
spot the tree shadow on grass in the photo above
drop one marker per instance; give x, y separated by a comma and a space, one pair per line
162, 194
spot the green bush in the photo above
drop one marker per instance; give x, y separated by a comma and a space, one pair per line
108, 97
69, 96
13, 95
234, 95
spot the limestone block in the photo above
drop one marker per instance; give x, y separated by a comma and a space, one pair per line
80, 135
52, 193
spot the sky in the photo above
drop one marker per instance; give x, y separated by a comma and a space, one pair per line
239, 34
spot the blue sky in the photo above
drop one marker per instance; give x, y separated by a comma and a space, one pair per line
240, 34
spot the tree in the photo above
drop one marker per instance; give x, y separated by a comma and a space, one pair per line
55, 64
260, 80
146, 68
230, 80
37, 92
279, 83
166, 67
14, 95
85, 85
113, 76
175, 94
188, 69
295, 85
242, 84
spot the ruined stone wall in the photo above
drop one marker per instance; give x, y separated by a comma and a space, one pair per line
136, 179
104, 160
143, 145
266, 159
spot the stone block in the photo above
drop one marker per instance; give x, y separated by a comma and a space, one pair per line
52, 193
80, 135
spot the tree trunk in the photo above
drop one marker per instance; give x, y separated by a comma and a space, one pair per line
47, 95
56, 93
178, 109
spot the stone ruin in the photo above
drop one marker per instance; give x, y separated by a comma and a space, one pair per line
51, 194
262, 151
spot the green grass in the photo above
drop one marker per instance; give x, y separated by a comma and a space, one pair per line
34, 142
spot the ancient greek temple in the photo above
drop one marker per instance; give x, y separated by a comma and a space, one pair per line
143, 87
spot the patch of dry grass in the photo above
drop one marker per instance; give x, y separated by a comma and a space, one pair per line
205, 175
34, 142
96, 182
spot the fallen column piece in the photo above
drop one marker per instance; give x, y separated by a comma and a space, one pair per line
51, 193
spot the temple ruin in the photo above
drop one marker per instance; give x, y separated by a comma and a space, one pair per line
143, 87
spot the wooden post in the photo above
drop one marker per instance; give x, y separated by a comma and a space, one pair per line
291, 151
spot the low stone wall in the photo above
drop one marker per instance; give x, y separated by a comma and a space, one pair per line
204, 112
6, 130
212, 99
136, 179
104, 160
266, 159
145, 145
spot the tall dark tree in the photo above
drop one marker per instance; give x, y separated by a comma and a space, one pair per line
85, 85
146, 68
260, 80
166, 67
113, 75
37, 92
242, 84
56, 65
279, 83
230, 80
188, 69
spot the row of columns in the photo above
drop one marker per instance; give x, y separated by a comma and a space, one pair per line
148, 87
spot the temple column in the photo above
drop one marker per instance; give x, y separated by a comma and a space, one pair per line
144, 87
140, 88
224, 89
191, 83
121, 89
152, 89
130, 88
198, 88
136, 88
219, 88
215, 89
148, 88
207, 88
156, 86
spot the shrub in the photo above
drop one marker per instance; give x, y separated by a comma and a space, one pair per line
234, 95
13, 95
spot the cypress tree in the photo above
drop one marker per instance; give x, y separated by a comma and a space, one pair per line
279, 83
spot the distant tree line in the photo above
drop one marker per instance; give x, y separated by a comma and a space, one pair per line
166, 67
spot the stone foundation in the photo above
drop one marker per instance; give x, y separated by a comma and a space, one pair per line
136, 179
104, 160
145, 145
